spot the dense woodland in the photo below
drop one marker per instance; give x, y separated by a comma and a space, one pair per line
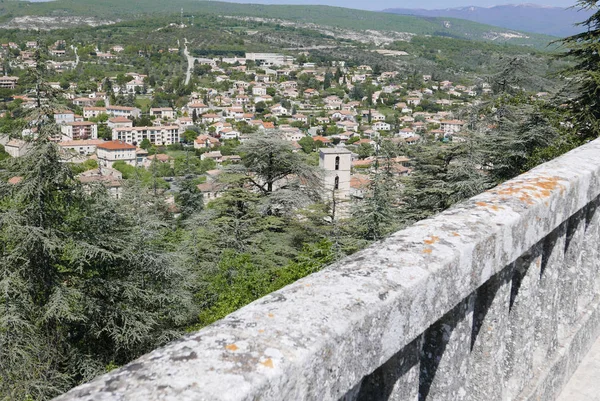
89, 282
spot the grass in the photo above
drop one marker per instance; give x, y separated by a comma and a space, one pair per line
143, 103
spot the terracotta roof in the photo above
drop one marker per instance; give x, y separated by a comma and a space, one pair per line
365, 162
15, 180
321, 138
89, 123
161, 157
359, 181
119, 120
124, 108
82, 142
116, 145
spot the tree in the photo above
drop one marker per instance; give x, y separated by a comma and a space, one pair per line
3, 153
260, 107
145, 144
308, 144
86, 281
376, 215
189, 198
585, 74
285, 179
364, 150
269, 161
189, 136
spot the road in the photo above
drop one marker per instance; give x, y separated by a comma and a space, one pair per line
190, 61
76, 56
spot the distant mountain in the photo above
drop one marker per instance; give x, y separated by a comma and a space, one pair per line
554, 21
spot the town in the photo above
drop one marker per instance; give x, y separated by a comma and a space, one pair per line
311, 106
163, 166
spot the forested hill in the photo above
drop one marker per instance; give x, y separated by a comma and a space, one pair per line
555, 21
317, 15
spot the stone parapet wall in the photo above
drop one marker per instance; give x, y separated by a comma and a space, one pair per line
494, 299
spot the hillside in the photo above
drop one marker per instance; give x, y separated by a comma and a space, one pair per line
555, 21
316, 15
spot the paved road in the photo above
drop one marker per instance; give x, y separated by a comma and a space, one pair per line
76, 56
190, 60
585, 382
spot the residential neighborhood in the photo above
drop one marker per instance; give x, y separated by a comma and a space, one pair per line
344, 109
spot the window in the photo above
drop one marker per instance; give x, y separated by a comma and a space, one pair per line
337, 162
336, 183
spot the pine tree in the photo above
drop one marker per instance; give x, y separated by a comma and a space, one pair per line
284, 177
585, 74
86, 281
377, 214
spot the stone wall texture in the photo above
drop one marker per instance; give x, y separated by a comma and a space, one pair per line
494, 299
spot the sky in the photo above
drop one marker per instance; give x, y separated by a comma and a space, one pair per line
428, 4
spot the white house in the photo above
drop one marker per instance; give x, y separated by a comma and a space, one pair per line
122, 111
93, 112
259, 91
79, 130
119, 122
81, 147
112, 151
451, 126
279, 110
165, 113
381, 126
157, 135
64, 116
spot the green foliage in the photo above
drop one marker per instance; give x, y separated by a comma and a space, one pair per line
86, 281
585, 74
323, 15
268, 161
308, 144
85, 166
145, 144
189, 198
364, 150
239, 280
3, 153
189, 136
376, 215
147, 178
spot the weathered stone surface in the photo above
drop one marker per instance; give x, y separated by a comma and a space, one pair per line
322, 337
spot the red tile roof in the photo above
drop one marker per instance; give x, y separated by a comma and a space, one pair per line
116, 145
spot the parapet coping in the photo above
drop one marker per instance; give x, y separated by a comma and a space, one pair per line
315, 339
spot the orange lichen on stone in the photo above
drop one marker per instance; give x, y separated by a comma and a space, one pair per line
231, 347
493, 207
427, 250
535, 188
455, 234
268, 363
261, 331
271, 315
432, 240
